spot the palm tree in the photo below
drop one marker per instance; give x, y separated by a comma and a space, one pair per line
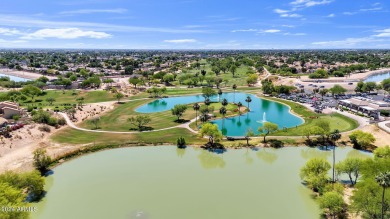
196, 107
234, 90
334, 136
207, 102
224, 102
223, 112
383, 179
239, 104
248, 100
219, 94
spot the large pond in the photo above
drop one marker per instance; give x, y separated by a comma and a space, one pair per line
260, 109
378, 77
14, 78
170, 183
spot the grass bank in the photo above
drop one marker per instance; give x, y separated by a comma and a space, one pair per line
337, 121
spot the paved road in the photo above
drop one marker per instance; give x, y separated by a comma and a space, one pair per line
384, 127
72, 125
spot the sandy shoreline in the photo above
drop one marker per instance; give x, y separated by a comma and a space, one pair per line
353, 77
24, 74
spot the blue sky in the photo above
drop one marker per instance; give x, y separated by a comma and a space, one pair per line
195, 24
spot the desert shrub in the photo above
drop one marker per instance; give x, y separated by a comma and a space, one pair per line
276, 143
61, 121
44, 128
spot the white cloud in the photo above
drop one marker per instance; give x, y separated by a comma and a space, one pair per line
362, 10
371, 9
270, 31
12, 41
331, 15
245, 30
181, 41
309, 3
383, 33
29, 22
9, 32
349, 13
92, 11
347, 42
65, 33
291, 15
294, 34
289, 26
280, 11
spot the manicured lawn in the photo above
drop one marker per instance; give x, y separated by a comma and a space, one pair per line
337, 121
67, 96
116, 120
73, 136
239, 79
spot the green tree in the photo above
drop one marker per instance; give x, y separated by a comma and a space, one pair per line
31, 91
129, 70
239, 105
386, 84
248, 100
43, 79
332, 204
233, 70
11, 196
334, 137
181, 142
382, 152
196, 107
223, 112
314, 173
383, 179
361, 140
337, 90
367, 199
168, 78
139, 121
224, 102
119, 96
219, 94
267, 86
234, 92
207, 92
323, 92
369, 86
212, 131
325, 126
50, 100
134, 81
252, 79
80, 100
41, 160
267, 128
178, 110
249, 133
351, 167
95, 121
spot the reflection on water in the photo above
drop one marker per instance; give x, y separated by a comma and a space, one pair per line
307, 153
267, 155
170, 183
248, 157
210, 160
180, 152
